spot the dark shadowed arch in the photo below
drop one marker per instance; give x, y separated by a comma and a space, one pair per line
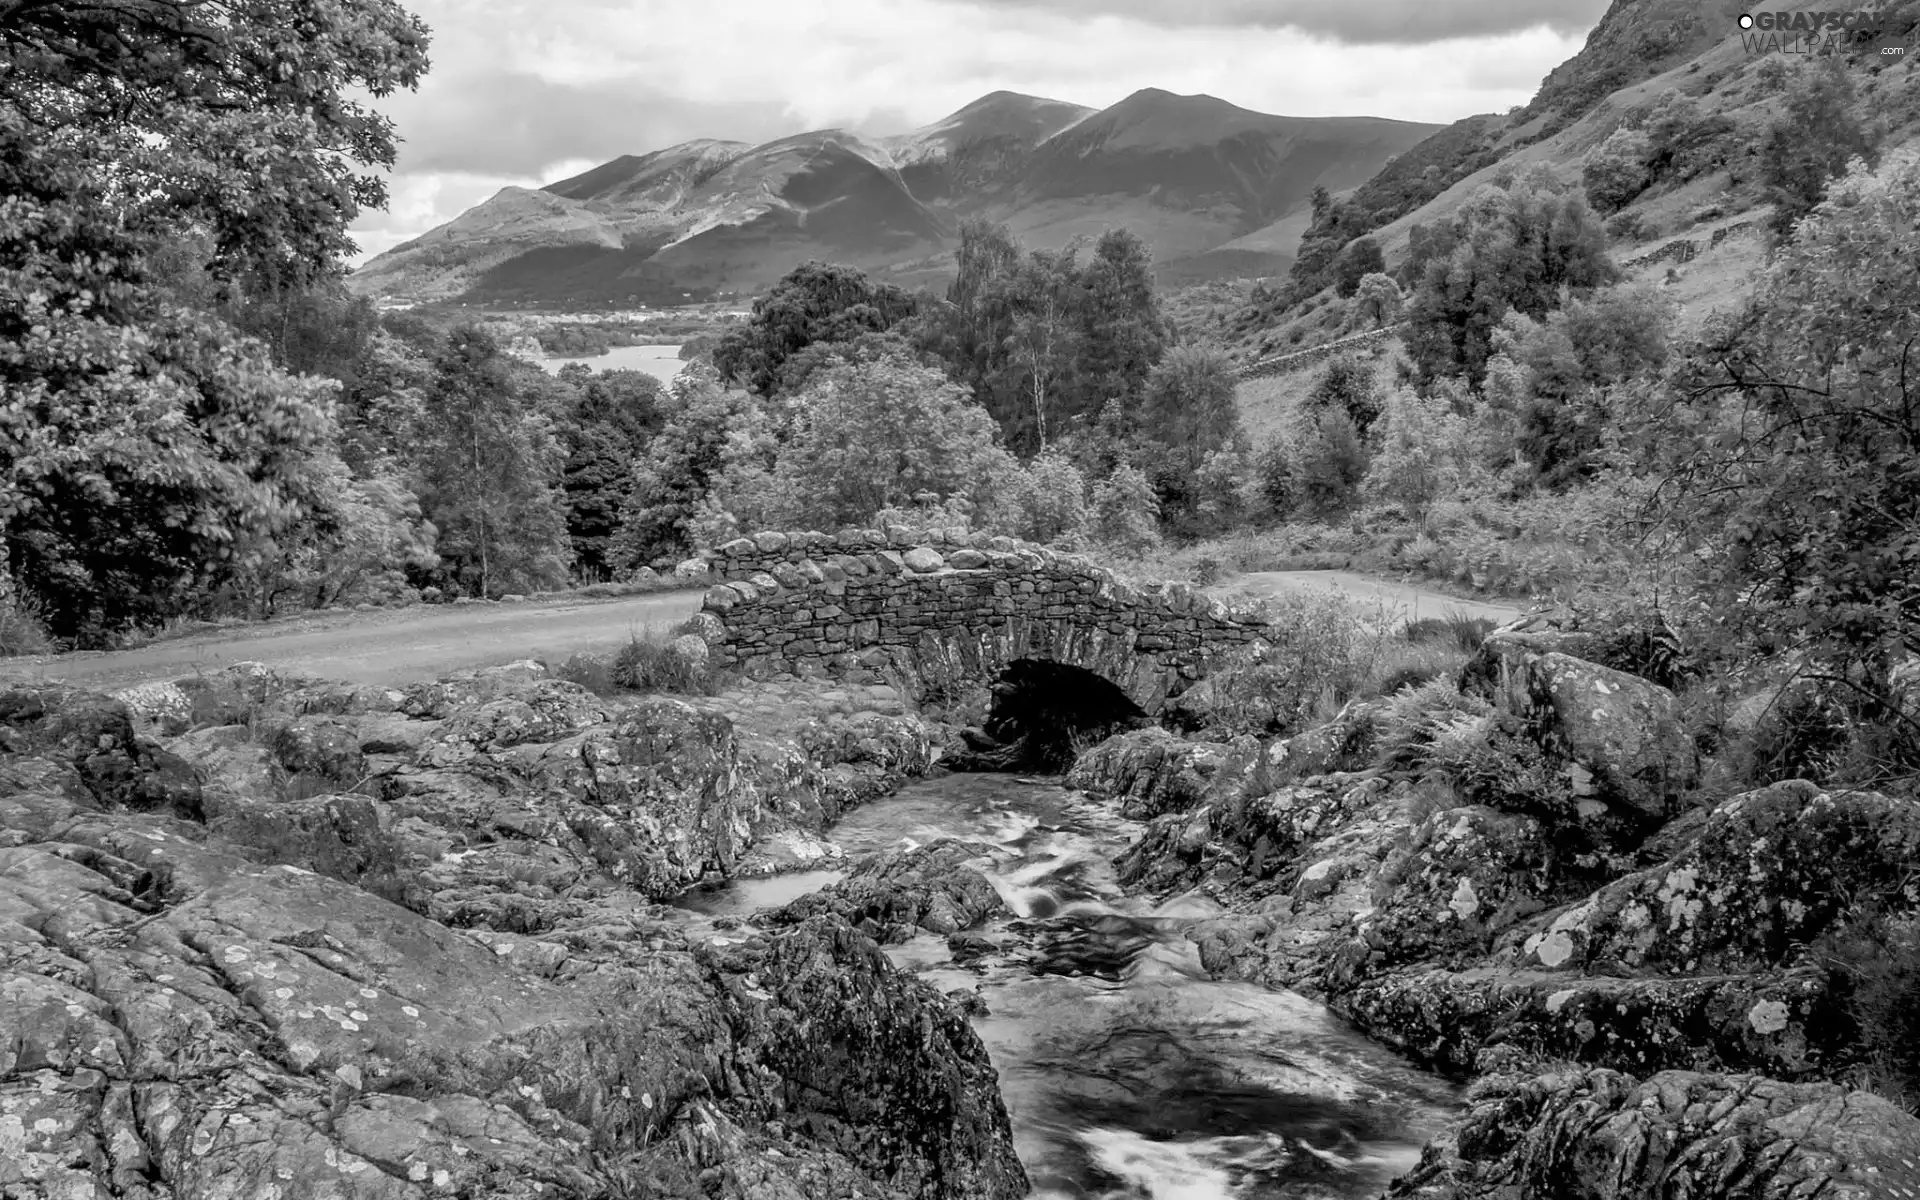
1041, 712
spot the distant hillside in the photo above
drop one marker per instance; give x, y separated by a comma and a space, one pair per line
1640, 52
1192, 175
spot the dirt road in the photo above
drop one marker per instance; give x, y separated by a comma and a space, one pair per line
1402, 602
397, 646
404, 645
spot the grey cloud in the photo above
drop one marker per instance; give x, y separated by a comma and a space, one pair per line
1366, 22
513, 123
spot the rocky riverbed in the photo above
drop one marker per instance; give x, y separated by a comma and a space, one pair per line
270, 936
265, 935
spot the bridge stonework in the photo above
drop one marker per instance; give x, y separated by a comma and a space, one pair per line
940, 613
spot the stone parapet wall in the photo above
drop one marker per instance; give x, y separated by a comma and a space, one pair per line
943, 611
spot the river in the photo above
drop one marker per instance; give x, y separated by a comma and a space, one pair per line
1129, 1074
662, 362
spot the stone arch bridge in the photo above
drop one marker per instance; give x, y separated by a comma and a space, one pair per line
943, 613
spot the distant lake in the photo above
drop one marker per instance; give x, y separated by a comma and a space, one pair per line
661, 362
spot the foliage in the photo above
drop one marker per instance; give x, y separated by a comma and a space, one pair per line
147, 449
1323, 658
1878, 962
1043, 340
1361, 258
1329, 461
1415, 718
679, 468
487, 468
1224, 489
1378, 299
815, 302
1560, 374
1616, 170
1811, 142
1348, 384
1413, 466
226, 118
1464, 632
22, 632
591, 671
1126, 512
1189, 409
605, 429
1045, 501
1274, 479
362, 537
1490, 759
1787, 455
651, 664
862, 437
1403, 184
1512, 248
574, 340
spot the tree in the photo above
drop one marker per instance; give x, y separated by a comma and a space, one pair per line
1045, 501
1124, 331
1413, 466
1125, 512
365, 534
1044, 339
1189, 408
1362, 257
1329, 461
1377, 298
1044, 342
1811, 142
147, 449
605, 431
680, 467
1616, 170
863, 437
815, 302
1348, 385
1512, 248
1274, 479
487, 467
1788, 455
227, 118
1566, 364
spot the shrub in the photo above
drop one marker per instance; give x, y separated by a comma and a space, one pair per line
1616, 171
1046, 501
1878, 963
1490, 760
1456, 627
21, 632
646, 665
589, 671
1416, 717
1273, 474
1329, 462
1126, 512
1324, 657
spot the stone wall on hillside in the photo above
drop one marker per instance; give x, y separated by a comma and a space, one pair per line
1684, 250
1281, 364
943, 612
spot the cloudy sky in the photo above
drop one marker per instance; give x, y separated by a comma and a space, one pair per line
529, 91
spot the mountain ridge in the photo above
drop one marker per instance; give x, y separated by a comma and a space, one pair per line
710, 216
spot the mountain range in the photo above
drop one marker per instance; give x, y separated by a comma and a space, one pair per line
1215, 190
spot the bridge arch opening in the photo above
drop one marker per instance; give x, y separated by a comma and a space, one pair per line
1042, 713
